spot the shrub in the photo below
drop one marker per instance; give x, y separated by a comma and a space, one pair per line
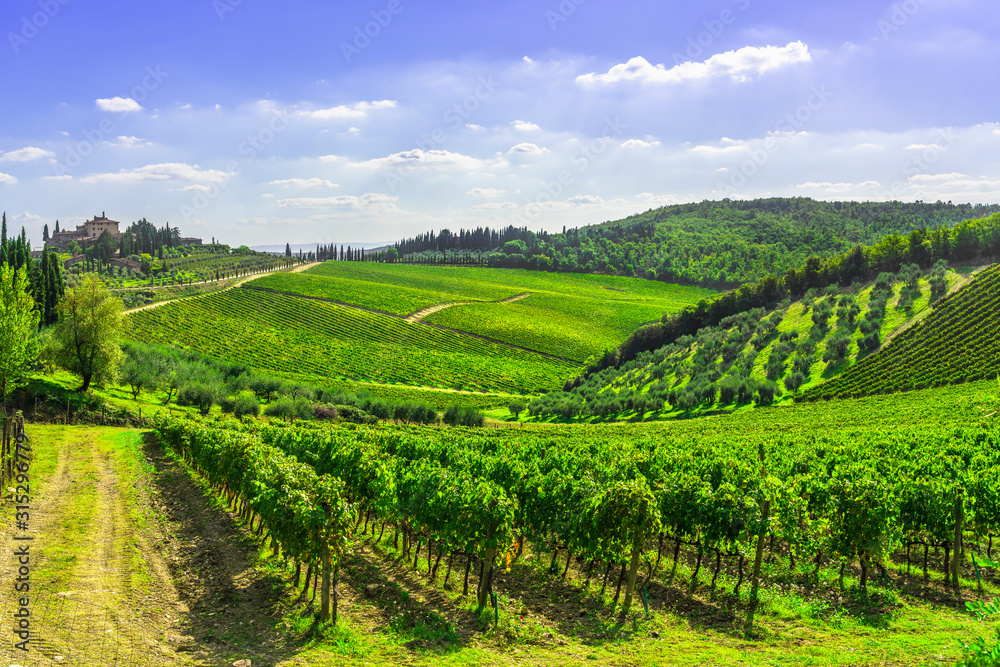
349, 413
202, 395
794, 381
243, 403
457, 415
766, 391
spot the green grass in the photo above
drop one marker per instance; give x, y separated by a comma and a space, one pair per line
569, 315
286, 334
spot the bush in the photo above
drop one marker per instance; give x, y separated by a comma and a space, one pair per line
203, 395
349, 413
766, 391
457, 415
794, 381
290, 408
415, 412
243, 403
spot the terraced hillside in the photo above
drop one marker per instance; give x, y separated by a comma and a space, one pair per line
573, 316
303, 337
957, 342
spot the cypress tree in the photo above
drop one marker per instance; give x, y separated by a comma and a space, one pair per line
3, 239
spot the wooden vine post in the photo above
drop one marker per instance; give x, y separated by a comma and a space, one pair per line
324, 614
484, 584
634, 564
765, 510
956, 558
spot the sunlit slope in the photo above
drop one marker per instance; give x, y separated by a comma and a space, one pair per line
957, 342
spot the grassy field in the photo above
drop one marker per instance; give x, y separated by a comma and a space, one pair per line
569, 315
523, 347
284, 334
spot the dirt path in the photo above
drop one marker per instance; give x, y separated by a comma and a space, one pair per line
240, 281
101, 591
430, 310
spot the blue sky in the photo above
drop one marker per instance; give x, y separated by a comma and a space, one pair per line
304, 121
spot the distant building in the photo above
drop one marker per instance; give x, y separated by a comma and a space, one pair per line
74, 260
88, 232
190, 241
126, 264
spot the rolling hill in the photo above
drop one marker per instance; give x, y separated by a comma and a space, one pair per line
380, 324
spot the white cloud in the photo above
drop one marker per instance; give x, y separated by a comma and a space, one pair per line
368, 202
474, 127
920, 147
718, 150
128, 142
26, 154
344, 112
585, 200
740, 65
7, 179
118, 104
495, 206
64, 177
932, 178
524, 126
304, 183
527, 149
655, 201
837, 188
418, 157
167, 171
486, 193
639, 143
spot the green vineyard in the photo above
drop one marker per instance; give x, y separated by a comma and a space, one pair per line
568, 315
290, 335
627, 501
957, 342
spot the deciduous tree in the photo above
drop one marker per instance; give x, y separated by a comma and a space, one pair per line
18, 321
89, 333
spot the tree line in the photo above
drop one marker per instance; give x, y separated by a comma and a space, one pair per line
969, 240
712, 243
